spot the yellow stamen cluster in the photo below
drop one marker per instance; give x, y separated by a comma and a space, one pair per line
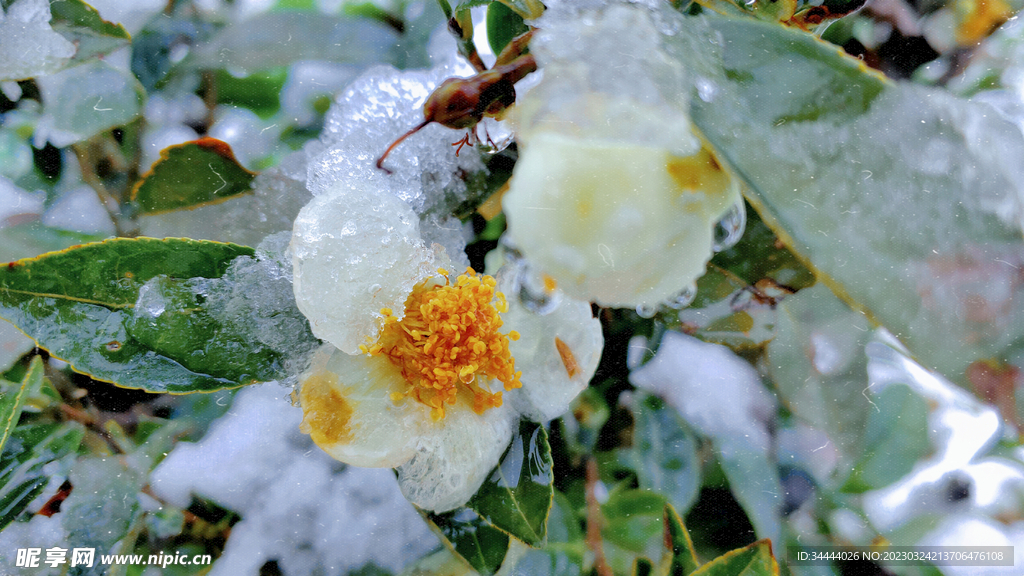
448, 337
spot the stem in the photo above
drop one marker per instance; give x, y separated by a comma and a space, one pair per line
417, 128
594, 521
87, 166
209, 97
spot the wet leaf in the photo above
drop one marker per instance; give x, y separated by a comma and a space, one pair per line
33, 238
818, 366
80, 305
634, 525
190, 175
727, 311
503, 25
12, 401
83, 26
754, 482
895, 439
260, 92
754, 560
152, 46
481, 545
517, 496
563, 553
900, 196
664, 452
27, 450
677, 538
102, 508
83, 101
275, 39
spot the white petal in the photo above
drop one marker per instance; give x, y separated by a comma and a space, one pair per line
452, 461
553, 374
354, 253
349, 412
610, 222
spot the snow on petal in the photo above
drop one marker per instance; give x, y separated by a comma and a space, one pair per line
354, 253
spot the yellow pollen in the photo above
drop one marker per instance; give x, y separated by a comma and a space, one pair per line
448, 341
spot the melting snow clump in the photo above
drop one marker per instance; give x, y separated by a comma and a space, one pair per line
28, 46
299, 507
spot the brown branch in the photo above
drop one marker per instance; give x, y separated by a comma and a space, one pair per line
87, 165
594, 521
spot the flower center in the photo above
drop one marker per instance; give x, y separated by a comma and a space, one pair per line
448, 337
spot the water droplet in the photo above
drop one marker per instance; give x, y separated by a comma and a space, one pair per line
646, 310
706, 89
729, 229
373, 289
683, 299
536, 294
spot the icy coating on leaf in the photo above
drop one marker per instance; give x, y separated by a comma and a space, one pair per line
277, 196
378, 107
84, 100
909, 209
28, 46
252, 308
355, 252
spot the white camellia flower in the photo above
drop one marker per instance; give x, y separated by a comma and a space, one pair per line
419, 360
614, 194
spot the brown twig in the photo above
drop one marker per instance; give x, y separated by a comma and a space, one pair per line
594, 521
87, 165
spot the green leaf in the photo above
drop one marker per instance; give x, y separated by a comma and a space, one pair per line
895, 439
753, 560
728, 311
754, 482
12, 401
83, 101
528, 9
152, 46
664, 452
80, 305
891, 191
471, 537
274, 39
259, 92
33, 238
83, 26
190, 175
817, 363
461, 5
28, 449
684, 557
503, 25
517, 496
634, 521
103, 507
